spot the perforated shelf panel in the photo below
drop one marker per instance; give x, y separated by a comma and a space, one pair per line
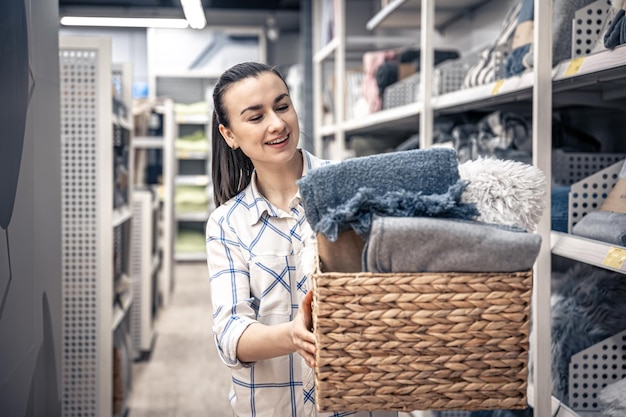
587, 195
593, 369
87, 246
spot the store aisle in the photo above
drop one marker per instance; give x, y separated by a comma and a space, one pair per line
184, 376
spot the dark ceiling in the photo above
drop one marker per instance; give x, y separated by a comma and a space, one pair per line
208, 4
218, 12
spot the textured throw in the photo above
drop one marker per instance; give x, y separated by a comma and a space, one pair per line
421, 182
505, 192
420, 244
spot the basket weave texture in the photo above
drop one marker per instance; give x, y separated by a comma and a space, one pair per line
421, 341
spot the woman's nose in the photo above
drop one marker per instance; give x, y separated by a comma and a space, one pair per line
276, 123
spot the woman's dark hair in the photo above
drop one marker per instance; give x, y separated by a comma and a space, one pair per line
231, 169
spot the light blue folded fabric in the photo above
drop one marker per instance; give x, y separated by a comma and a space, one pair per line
420, 182
421, 244
605, 226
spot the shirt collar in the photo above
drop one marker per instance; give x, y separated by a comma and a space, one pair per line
259, 205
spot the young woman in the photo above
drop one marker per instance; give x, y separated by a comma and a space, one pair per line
260, 247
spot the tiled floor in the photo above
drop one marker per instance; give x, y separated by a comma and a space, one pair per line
184, 376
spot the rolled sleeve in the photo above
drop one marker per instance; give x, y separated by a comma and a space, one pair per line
233, 307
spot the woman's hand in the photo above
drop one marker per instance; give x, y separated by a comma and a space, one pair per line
301, 331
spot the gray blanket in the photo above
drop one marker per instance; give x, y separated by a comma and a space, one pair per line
420, 182
605, 226
422, 244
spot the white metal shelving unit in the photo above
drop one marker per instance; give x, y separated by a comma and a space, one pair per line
96, 220
581, 80
145, 268
166, 230
187, 76
193, 222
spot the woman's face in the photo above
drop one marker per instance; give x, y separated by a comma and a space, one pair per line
263, 122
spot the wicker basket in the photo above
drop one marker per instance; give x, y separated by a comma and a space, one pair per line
421, 341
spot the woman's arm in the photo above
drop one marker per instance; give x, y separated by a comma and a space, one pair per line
260, 342
239, 337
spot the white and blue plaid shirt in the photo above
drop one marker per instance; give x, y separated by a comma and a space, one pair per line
260, 260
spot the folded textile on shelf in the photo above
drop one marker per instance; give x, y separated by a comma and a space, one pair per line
605, 226
195, 142
420, 182
522, 39
421, 244
616, 33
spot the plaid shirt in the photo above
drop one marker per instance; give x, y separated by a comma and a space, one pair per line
260, 259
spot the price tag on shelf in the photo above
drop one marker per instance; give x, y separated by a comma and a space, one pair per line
183, 154
615, 258
497, 87
574, 66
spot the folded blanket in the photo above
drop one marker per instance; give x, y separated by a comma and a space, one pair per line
421, 244
421, 182
605, 226
616, 33
522, 40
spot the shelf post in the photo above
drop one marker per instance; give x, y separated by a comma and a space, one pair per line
427, 33
339, 144
540, 340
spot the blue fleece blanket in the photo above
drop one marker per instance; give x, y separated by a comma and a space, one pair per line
420, 182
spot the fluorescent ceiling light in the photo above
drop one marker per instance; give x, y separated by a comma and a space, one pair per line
138, 22
194, 13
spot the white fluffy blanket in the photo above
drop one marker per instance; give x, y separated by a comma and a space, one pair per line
505, 192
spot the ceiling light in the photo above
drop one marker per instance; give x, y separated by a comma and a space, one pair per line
194, 13
138, 22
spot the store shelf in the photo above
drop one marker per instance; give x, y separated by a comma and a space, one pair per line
600, 254
122, 122
590, 74
406, 14
121, 215
558, 408
120, 312
193, 119
395, 119
192, 155
326, 51
148, 142
202, 180
190, 257
193, 217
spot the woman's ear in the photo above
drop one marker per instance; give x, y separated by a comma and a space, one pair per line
228, 136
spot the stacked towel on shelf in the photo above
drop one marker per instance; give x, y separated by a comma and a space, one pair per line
421, 182
608, 224
421, 244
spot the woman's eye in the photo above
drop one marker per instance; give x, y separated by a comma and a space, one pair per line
283, 107
255, 118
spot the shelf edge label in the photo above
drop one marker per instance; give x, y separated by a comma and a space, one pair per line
574, 66
615, 258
